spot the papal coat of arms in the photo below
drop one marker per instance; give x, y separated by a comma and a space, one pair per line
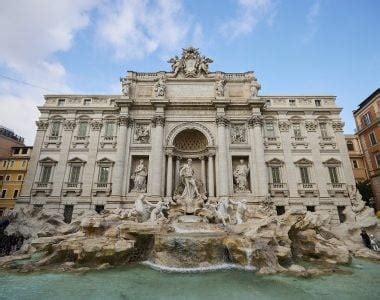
191, 64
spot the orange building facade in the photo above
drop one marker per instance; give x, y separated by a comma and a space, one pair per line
367, 118
355, 152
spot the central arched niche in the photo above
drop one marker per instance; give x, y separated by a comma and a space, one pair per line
190, 141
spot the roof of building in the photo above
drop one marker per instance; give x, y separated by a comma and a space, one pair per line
367, 100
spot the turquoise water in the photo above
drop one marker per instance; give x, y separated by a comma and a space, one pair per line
142, 282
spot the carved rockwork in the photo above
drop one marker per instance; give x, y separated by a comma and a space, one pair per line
160, 87
222, 121
141, 134
125, 86
238, 134
311, 125
191, 64
283, 126
96, 125
255, 120
69, 125
240, 175
158, 121
42, 125
338, 126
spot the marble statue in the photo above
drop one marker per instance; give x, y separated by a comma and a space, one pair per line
254, 91
141, 209
240, 175
125, 86
241, 208
157, 212
190, 192
160, 87
222, 210
139, 177
177, 65
374, 244
219, 87
203, 65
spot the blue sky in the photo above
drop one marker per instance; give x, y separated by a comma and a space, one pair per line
295, 47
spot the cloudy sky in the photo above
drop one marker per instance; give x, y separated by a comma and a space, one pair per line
83, 46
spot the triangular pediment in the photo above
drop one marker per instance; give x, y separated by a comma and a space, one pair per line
76, 160
303, 161
332, 161
275, 161
105, 160
48, 160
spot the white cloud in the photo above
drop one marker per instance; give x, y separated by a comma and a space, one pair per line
31, 33
136, 28
248, 14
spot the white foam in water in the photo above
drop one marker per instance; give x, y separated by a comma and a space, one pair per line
197, 269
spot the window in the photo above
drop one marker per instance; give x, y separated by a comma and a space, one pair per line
342, 216
297, 130
19, 177
24, 150
112, 102
24, 163
1, 177
99, 208
377, 156
108, 130
310, 208
276, 178
7, 178
366, 119
68, 213
355, 164
269, 129
45, 174
323, 127
333, 174
317, 103
292, 102
4, 163
3, 193
103, 174
87, 102
304, 175
55, 129
350, 146
280, 210
61, 102
82, 129
372, 138
15, 193
12, 164
74, 174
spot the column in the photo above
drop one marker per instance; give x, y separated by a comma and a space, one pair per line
157, 156
177, 167
169, 175
122, 140
223, 178
203, 170
256, 122
211, 187
27, 185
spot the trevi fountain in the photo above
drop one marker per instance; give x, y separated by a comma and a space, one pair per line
214, 232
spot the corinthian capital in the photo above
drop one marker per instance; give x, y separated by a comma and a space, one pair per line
69, 125
222, 121
42, 125
255, 121
125, 121
96, 125
158, 121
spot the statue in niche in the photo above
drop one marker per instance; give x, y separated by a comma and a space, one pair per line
241, 208
139, 177
160, 87
190, 192
238, 134
240, 174
142, 134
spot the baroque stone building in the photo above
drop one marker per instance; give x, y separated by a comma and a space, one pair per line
102, 151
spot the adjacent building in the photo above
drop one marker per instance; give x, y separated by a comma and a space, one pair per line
8, 139
102, 151
12, 173
359, 166
367, 118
